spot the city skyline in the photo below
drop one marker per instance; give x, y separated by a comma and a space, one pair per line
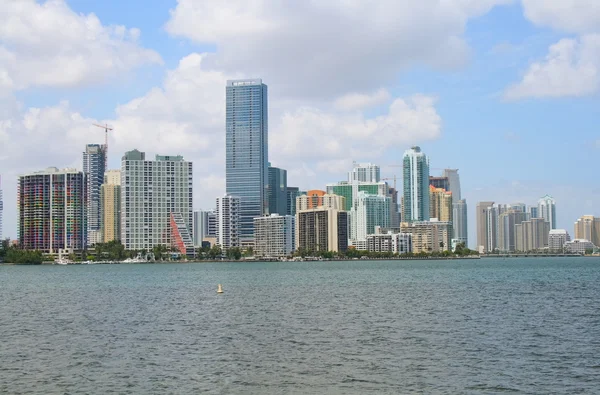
468, 109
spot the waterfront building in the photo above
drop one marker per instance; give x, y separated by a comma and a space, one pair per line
322, 229
439, 182
547, 210
415, 169
274, 236
292, 194
506, 228
277, 194
110, 199
370, 211
52, 210
579, 246
229, 221
483, 235
156, 202
532, 235
429, 236
588, 228
364, 172
440, 204
557, 239
305, 202
453, 184
94, 163
389, 241
246, 170
459, 222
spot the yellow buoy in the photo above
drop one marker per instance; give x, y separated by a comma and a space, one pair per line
219, 289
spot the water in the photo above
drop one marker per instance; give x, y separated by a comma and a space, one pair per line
526, 326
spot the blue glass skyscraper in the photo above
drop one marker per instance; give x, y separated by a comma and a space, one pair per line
246, 144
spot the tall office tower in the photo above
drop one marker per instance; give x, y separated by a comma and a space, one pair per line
439, 182
459, 222
292, 194
440, 204
322, 229
533, 212
588, 228
51, 206
506, 228
557, 238
547, 210
532, 235
453, 184
482, 225
274, 236
394, 208
94, 162
415, 169
429, 236
156, 202
370, 211
246, 171
305, 202
110, 198
277, 191
364, 172
228, 221
1, 208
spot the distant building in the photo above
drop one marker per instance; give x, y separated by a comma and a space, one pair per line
557, 238
453, 184
579, 246
394, 208
588, 228
292, 194
532, 235
110, 198
440, 204
364, 172
275, 236
506, 229
533, 212
460, 221
205, 225
228, 221
277, 191
316, 198
94, 162
350, 191
483, 235
393, 242
439, 182
322, 229
429, 236
371, 211
415, 169
547, 210
52, 210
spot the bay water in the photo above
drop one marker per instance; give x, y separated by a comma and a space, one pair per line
487, 326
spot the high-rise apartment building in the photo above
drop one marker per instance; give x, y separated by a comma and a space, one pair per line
481, 213
415, 169
364, 172
156, 201
429, 236
459, 222
506, 228
350, 190
440, 204
322, 229
305, 202
246, 170
370, 211
110, 200
228, 221
557, 238
311, 199
292, 194
532, 235
52, 210
453, 184
277, 191
439, 182
274, 236
94, 162
547, 210
588, 228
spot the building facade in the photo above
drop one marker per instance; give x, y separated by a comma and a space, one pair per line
94, 162
415, 169
588, 228
506, 229
110, 198
429, 236
391, 242
547, 210
292, 194
205, 225
322, 229
439, 182
440, 204
275, 236
277, 191
371, 211
364, 172
229, 221
481, 213
579, 246
310, 199
150, 192
52, 210
557, 238
246, 147
306, 202
460, 221
453, 184
532, 235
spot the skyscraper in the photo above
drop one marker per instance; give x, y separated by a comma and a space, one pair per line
94, 162
459, 221
506, 228
547, 210
277, 191
364, 172
532, 235
51, 206
228, 221
415, 169
292, 194
155, 196
440, 182
110, 197
246, 136
453, 184
370, 211
440, 204
588, 228
481, 213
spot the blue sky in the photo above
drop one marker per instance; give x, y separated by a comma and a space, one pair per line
506, 91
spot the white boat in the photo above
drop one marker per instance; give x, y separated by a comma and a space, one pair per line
62, 261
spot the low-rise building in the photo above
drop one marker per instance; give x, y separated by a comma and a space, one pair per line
557, 239
396, 243
579, 246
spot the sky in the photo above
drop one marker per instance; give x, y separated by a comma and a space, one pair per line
507, 91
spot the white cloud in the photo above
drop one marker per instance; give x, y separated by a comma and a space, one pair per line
360, 101
302, 48
49, 45
571, 68
574, 16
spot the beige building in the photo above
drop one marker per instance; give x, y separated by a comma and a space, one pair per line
440, 204
327, 200
110, 197
429, 236
588, 228
322, 229
532, 235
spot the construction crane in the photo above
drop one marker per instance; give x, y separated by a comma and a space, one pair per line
389, 179
106, 129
